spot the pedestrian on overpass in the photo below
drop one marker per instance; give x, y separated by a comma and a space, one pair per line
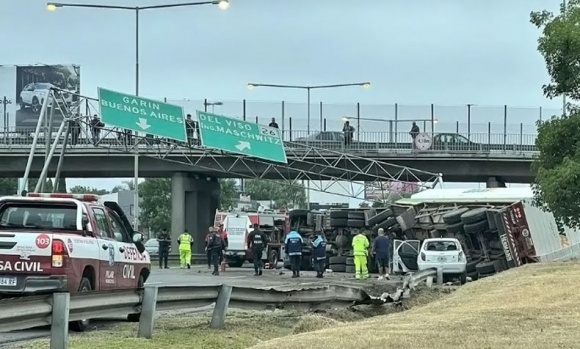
380, 251
215, 247
164, 240
360, 249
185, 242
414, 133
319, 254
257, 241
348, 132
294, 245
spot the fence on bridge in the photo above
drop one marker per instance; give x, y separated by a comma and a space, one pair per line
372, 117
387, 141
365, 117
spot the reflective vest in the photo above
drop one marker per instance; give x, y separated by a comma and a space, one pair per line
360, 245
185, 241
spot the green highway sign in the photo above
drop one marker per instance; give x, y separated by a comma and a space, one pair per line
142, 115
241, 137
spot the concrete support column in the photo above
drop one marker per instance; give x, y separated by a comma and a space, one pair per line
194, 200
495, 182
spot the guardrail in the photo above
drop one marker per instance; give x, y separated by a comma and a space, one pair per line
363, 141
59, 309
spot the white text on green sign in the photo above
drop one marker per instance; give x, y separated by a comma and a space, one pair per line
241, 129
142, 114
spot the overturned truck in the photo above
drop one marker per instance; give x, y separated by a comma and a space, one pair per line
499, 229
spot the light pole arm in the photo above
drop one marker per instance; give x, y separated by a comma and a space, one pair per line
111, 7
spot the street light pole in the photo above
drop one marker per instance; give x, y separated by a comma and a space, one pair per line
136, 156
308, 88
52, 6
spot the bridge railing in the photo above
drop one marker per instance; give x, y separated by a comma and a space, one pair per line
380, 141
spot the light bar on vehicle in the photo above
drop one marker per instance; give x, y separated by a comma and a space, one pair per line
82, 197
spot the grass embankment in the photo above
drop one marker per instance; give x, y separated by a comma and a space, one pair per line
533, 307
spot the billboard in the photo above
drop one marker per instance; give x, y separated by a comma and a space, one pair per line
381, 190
25, 87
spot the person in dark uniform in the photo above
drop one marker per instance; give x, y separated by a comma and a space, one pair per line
319, 254
293, 244
273, 124
164, 240
257, 241
216, 246
208, 252
96, 126
190, 128
75, 132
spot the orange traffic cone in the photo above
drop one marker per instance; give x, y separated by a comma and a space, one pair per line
223, 266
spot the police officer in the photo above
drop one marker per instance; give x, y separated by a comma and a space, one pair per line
257, 241
207, 250
215, 247
164, 240
319, 254
185, 242
293, 244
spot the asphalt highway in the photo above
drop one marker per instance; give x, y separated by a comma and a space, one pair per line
201, 275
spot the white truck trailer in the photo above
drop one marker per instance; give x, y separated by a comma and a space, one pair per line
500, 228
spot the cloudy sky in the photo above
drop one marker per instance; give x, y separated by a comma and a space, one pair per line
414, 53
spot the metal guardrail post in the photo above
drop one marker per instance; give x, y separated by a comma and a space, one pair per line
60, 315
221, 307
440, 276
148, 307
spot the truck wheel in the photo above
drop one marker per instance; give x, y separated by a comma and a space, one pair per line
476, 227
274, 258
135, 317
381, 216
338, 268
350, 269
475, 215
454, 216
350, 261
338, 260
484, 268
81, 325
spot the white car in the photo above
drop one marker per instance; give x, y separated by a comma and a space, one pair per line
33, 95
445, 253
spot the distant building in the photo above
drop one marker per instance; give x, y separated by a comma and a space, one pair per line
125, 200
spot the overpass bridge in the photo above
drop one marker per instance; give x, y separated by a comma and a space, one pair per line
193, 169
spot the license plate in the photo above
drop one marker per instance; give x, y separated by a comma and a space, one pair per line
442, 259
7, 281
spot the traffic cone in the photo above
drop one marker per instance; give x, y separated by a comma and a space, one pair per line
223, 266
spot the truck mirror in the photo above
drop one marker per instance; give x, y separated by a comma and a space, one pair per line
137, 237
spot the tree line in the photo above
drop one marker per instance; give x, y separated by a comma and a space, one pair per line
557, 168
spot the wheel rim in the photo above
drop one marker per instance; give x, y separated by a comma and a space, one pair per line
35, 105
274, 258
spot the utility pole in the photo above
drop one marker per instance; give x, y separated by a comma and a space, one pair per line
5, 102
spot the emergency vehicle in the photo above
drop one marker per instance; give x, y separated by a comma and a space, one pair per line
68, 242
239, 224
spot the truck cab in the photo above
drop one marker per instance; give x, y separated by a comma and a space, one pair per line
68, 242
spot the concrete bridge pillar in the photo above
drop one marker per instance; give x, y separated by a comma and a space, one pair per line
194, 200
495, 182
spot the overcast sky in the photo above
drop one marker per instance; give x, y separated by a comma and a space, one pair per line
418, 52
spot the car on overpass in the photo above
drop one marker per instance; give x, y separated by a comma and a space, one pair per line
453, 142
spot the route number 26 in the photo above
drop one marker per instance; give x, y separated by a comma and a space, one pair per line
267, 131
